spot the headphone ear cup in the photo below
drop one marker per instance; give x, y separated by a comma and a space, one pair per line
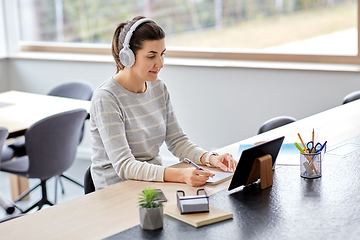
127, 57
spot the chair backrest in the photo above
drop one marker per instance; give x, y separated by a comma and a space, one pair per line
351, 97
51, 143
77, 89
275, 123
88, 182
3, 136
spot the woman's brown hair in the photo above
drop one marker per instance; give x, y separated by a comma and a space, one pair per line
144, 32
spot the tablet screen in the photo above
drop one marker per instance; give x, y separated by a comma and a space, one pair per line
248, 157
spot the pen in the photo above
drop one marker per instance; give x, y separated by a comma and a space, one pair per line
194, 164
322, 147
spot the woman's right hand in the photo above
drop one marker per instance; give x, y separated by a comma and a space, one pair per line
195, 177
190, 176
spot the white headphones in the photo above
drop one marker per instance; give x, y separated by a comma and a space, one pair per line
127, 56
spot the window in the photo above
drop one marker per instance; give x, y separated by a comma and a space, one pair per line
283, 30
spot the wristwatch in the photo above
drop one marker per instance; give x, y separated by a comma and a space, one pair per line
207, 159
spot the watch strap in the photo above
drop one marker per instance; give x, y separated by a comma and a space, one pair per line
207, 159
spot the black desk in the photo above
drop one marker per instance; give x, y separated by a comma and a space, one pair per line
293, 208
283, 211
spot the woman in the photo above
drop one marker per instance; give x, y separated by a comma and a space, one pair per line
131, 116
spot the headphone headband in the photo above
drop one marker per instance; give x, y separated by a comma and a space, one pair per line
132, 30
126, 55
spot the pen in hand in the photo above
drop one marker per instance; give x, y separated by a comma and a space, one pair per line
192, 163
195, 165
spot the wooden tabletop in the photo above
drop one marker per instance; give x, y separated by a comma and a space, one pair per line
19, 110
114, 209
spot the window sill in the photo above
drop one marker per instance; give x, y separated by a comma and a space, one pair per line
194, 62
53, 56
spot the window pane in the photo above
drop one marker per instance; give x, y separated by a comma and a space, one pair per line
271, 26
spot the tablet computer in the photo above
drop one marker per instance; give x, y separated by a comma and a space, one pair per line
248, 157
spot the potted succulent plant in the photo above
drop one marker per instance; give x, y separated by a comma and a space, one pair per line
151, 210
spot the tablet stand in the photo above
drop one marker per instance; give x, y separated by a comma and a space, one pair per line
262, 167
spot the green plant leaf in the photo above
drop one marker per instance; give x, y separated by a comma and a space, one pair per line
148, 199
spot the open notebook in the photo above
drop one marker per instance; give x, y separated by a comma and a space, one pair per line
220, 177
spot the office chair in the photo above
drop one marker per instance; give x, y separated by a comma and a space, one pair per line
51, 145
275, 123
5, 203
351, 97
7, 153
89, 186
3, 136
76, 89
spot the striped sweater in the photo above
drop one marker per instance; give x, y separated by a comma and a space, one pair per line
127, 131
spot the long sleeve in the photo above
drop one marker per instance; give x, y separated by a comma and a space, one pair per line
128, 130
123, 141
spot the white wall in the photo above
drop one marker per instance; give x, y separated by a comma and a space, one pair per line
40, 76
219, 106
3, 51
215, 106
4, 80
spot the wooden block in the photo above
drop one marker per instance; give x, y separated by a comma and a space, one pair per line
266, 174
254, 173
262, 167
18, 186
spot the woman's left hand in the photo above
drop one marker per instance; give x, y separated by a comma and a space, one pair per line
225, 162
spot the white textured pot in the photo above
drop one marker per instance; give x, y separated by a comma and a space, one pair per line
151, 218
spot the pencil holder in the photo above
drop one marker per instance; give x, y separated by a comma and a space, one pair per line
310, 165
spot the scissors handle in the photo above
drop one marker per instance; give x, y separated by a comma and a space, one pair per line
313, 148
310, 145
317, 147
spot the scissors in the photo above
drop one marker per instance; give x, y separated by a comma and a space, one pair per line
313, 148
